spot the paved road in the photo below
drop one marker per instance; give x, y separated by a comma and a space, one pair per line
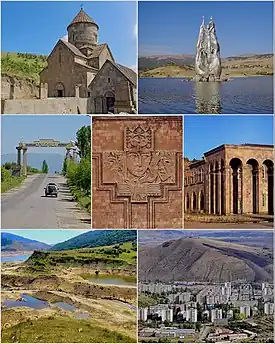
27, 207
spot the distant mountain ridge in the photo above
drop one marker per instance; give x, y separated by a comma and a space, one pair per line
155, 61
54, 160
12, 243
97, 238
204, 260
249, 238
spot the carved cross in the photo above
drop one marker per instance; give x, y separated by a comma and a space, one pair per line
139, 173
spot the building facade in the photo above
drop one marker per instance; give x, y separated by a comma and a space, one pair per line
231, 179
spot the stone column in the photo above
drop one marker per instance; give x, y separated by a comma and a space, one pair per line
25, 161
240, 190
247, 189
263, 175
218, 193
18, 155
207, 189
227, 190
214, 191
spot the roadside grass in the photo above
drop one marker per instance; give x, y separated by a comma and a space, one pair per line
8, 181
84, 201
61, 329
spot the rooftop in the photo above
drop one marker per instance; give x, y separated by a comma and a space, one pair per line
82, 17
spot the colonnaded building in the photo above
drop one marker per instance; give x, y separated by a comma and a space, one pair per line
231, 179
82, 76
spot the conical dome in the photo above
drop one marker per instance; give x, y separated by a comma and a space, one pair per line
82, 17
83, 31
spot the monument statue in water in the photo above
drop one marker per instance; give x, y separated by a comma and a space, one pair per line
208, 60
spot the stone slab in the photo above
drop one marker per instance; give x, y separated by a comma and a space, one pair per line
137, 172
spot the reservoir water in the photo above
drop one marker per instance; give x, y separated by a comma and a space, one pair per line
15, 258
247, 95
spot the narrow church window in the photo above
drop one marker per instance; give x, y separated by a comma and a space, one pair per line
109, 80
60, 57
89, 94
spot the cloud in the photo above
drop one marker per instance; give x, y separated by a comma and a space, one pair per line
134, 67
135, 30
65, 38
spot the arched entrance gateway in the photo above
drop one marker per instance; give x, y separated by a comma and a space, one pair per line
72, 151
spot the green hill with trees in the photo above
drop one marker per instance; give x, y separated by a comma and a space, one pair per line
79, 174
97, 238
24, 66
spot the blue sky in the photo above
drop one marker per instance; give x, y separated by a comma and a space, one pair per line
29, 128
47, 236
172, 27
36, 26
202, 133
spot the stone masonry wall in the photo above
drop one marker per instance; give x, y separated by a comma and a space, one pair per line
13, 88
46, 106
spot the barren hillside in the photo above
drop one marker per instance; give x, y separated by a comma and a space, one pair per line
199, 259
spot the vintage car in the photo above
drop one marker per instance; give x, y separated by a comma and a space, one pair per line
51, 190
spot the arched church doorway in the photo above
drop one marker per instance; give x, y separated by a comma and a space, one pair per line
110, 101
59, 90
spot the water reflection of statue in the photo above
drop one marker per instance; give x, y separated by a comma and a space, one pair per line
208, 97
73, 152
208, 61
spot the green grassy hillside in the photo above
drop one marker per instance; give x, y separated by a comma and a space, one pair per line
23, 66
123, 254
97, 238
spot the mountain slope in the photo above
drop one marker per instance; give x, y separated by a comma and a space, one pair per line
97, 238
12, 242
183, 65
201, 259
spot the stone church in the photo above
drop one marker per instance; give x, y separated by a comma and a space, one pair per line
81, 67
81, 76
